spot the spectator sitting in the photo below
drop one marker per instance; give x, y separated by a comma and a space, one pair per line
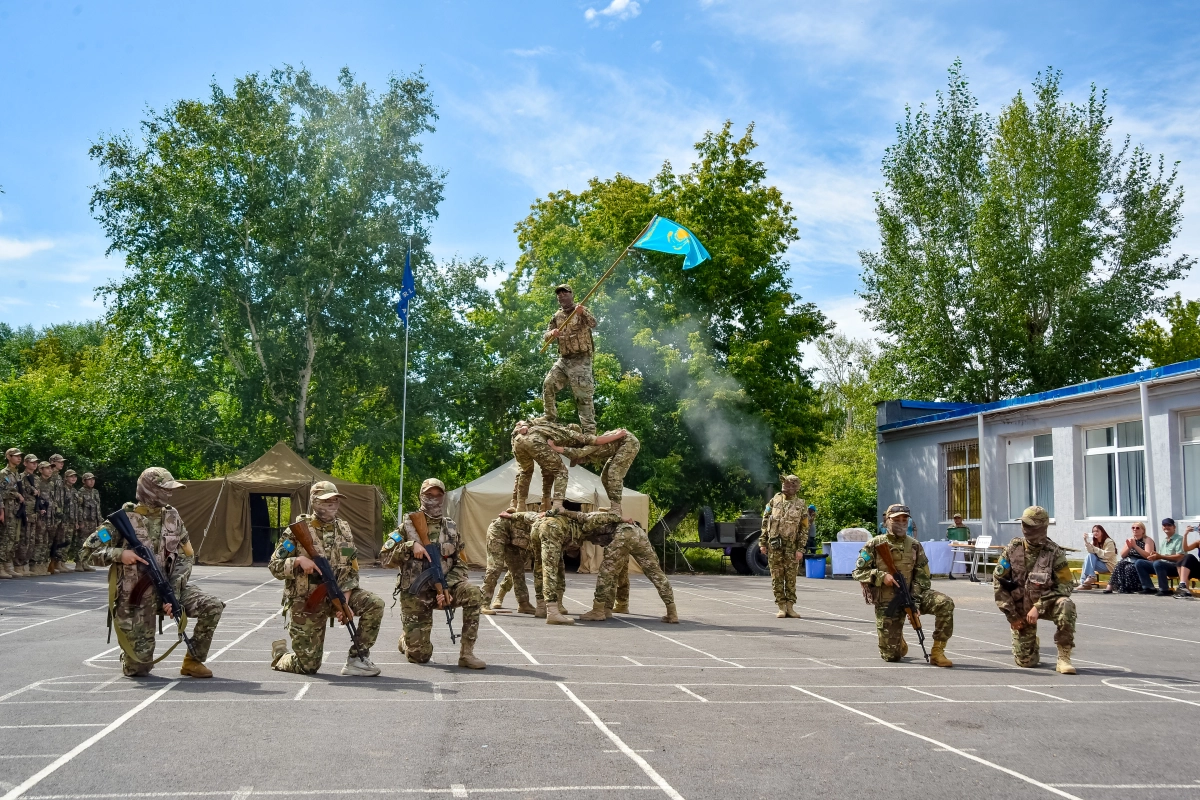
1125, 578
1166, 563
958, 532
1101, 557
1189, 563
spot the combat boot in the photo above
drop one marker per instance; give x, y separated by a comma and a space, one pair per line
39, 571
1064, 665
278, 650
555, 616
53, 567
4, 573
937, 656
485, 610
499, 601
597, 614
526, 608
608, 612
791, 611
79, 567
622, 607
540, 611
562, 609
193, 668
360, 667
26, 572
782, 612
672, 615
87, 567
466, 656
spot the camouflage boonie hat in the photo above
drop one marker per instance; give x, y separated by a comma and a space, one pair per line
56, 457
430, 483
87, 476
160, 476
13, 451
69, 473
324, 490
563, 287
896, 510
1036, 517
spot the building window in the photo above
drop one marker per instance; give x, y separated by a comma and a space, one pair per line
1114, 470
962, 479
1190, 438
1030, 474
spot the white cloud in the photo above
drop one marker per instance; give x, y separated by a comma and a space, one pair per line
544, 50
617, 9
657, 46
13, 249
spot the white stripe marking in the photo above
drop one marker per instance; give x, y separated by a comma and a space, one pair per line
946, 747
458, 790
1043, 694
437, 691
51, 768
681, 644
256, 588
686, 690
651, 773
303, 691
16, 692
1149, 694
631, 661
929, 694
242, 793
55, 619
257, 627
513, 641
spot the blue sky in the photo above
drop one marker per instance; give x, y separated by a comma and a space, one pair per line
538, 96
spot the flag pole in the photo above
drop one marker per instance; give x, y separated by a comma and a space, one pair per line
403, 439
603, 278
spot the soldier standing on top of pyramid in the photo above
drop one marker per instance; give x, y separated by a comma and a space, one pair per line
574, 365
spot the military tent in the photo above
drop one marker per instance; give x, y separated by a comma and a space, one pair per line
217, 511
476, 504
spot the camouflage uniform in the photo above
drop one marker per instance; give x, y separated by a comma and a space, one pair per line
617, 457
13, 500
508, 543
560, 576
90, 514
909, 558
308, 620
532, 446
784, 532
134, 606
573, 367
57, 529
1035, 575
72, 518
630, 540
417, 611
556, 534
39, 545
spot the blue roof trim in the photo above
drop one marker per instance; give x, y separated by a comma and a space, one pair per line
932, 405
1079, 389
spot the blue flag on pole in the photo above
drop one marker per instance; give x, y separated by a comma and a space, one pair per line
666, 236
408, 288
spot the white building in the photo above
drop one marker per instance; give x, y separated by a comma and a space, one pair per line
1107, 452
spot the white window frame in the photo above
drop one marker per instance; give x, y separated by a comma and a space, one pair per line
1116, 450
1033, 461
1185, 443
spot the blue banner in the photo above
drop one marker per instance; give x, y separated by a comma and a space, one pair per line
408, 288
665, 236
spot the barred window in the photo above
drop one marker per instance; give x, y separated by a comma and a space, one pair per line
962, 479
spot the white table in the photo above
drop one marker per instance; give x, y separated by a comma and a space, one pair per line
941, 555
845, 556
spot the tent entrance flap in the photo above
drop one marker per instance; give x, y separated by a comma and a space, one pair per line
269, 515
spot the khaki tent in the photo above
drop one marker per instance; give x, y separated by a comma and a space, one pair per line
476, 504
217, 512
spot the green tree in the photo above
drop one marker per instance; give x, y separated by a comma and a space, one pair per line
1181, 342
1017, 254
264, 233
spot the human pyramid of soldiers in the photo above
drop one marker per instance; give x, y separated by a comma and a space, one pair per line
44, 518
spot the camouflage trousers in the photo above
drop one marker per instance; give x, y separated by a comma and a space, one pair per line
59, 540
617, 458
501, 555
137, 624
539, 572
417, 617
1025, 644
574, 371
530, 449
307, 631
554, 571
10, 537
37, 542
891, 628
783, 565
630, 542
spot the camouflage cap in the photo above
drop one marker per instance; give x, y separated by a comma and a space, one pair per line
160, 476
13, 451
31, 457
432, 483
896, 510
791, 478
43, 465
56, 457
1036, 517
563, 287
69, 473
324, 490
87, 476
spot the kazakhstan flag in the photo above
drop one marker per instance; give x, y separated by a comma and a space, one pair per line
666, 236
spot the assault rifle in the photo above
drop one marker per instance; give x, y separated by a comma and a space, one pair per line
166, 595
433, 573
329, 586
904, 597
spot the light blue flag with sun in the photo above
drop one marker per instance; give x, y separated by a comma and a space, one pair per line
665, 236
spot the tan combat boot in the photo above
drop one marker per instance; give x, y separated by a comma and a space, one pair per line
555, 616
278, 650
87, 567
466, 656
526, 608
791, 611
608, 612
672, 615
79, 567
540, 611
485, 610
193, 668
1064, 665
937, 656
562, 609
782, 612
4, 571
903, 647
597, 614
622, 607
499, 601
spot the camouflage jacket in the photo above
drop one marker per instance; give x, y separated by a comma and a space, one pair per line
333, 540
89, 508
398, 553
560, 528
576, 338
162, 530
784, 518
1027, 576
45, 499
73, 507
11, 489
597, 527
909, 558
562, 435
514, 531
58, 502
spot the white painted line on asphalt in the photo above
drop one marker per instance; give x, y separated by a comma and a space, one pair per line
303, 691
930, 694
1043, 694
1149, 694
242, 793
458, 790
437, 692
681, 644
99, 687
686, 690
631, 661
55, 619
48, 599
943, 745
513, 641
341, 792
65, 758
1101, 627
248, 591
1128, 785
257, 627
16, 692
651, 773
56, 725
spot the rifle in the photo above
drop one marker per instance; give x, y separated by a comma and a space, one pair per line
434, 572
904, 597
329, 586
120, 521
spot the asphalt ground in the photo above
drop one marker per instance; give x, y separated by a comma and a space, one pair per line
732, 703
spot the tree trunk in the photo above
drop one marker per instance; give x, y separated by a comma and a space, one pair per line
301, 438
669, 522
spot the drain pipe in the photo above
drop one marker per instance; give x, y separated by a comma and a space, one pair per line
1151, 514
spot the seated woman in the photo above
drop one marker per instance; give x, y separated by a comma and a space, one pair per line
1101, 556
1125, 578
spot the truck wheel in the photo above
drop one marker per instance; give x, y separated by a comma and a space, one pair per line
737, 557
755, 560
